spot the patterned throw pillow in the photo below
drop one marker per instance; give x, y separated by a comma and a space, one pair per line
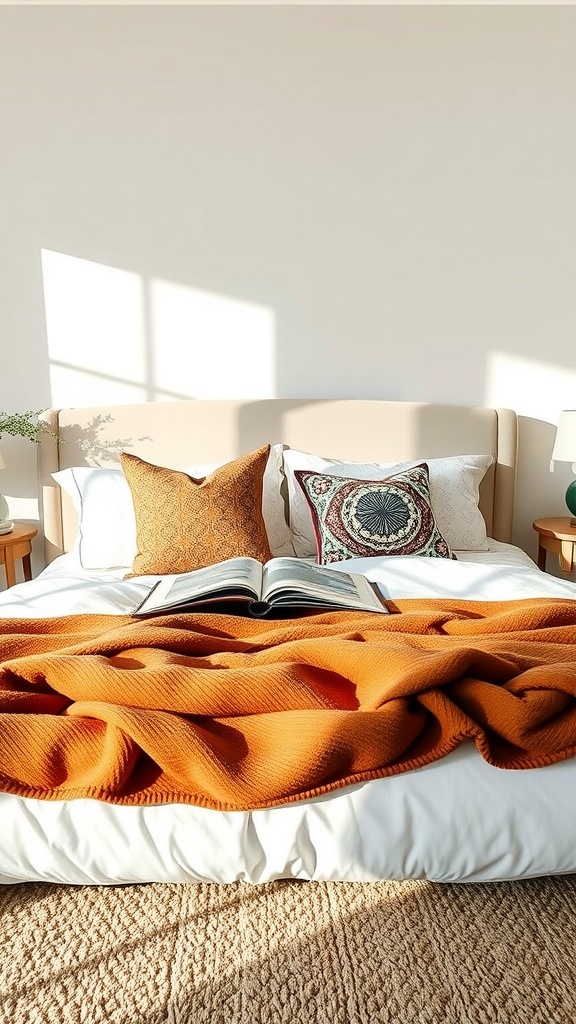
183, 523
363, 518
454, 494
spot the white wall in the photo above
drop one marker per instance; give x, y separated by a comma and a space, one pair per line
327, 201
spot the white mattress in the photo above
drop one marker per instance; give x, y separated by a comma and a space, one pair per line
459, 819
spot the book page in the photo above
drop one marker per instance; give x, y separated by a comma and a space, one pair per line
290, 578
235, 576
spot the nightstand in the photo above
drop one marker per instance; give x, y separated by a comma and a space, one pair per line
14, 545
556, 535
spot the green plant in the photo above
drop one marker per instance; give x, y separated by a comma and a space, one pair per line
25, 424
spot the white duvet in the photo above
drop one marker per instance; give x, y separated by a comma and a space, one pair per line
458, 819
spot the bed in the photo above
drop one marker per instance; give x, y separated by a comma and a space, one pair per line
453, 818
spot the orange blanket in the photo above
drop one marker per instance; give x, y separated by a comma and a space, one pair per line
230, 713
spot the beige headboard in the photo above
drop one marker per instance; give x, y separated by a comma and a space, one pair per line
177, 434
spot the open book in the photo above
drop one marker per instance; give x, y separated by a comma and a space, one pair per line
245, 585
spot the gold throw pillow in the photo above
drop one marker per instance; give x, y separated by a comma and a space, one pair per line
183, 523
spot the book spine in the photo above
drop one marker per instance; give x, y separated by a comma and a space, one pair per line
259, 609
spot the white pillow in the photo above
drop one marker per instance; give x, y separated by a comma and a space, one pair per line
107, 525
454, 483
102, 500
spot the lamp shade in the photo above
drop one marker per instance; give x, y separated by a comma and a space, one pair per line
565, 451
565, 444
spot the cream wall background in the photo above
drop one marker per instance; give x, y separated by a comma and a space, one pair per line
290, 200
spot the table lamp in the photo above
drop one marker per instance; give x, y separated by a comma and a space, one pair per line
565, 451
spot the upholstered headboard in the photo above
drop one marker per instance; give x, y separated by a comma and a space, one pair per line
178, 434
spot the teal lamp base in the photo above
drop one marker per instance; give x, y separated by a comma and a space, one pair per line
571, 501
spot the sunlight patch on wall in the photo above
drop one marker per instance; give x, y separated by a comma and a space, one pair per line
530, 386
115, 337
95, 325
22, 508
210, 346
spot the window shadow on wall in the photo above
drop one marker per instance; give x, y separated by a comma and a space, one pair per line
115, 336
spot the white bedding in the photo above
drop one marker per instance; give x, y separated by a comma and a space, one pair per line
459, 819
504, 572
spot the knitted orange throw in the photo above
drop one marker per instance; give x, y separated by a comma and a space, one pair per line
231, 713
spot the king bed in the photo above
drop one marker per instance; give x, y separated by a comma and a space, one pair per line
469, 792
451, 803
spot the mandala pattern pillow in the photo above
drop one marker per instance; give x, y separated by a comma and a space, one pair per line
364, 518
454, 493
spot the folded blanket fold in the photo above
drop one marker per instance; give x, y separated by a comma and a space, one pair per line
236, 713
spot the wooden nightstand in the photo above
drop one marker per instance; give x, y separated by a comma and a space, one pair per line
556, 534
13, 545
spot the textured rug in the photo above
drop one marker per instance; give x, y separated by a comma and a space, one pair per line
290, 953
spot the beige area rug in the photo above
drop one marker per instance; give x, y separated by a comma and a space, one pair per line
290, 953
